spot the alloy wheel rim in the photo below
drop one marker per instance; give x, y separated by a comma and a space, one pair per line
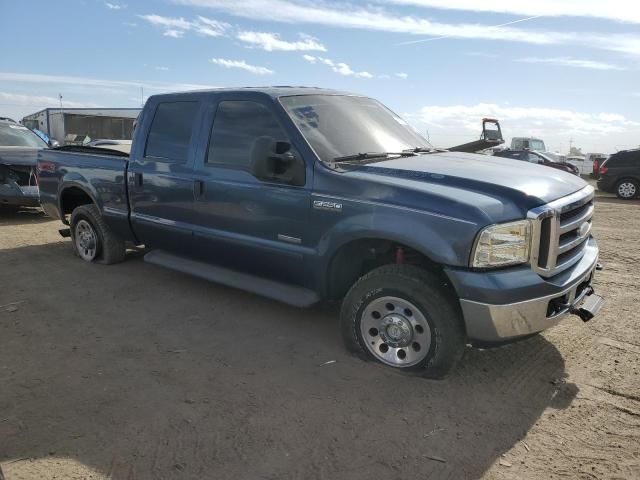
395, 331
86, 240
627, 189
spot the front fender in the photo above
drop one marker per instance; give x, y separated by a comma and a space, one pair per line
444, 240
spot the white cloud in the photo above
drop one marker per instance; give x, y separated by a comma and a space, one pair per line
242, 65
95, 82
338, 67
402, 75
129, 24
452, 124
176, 26
39, 101
161, 68
114, 6
272, 41
173, 33
347, 15
572, 62
618, 10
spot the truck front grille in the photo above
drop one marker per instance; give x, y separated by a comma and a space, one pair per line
561, 230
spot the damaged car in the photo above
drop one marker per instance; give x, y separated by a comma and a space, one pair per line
19, 148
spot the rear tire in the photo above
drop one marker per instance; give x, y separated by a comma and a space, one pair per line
627, 188
401, 316
93, 240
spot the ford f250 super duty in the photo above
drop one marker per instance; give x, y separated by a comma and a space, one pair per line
307, 195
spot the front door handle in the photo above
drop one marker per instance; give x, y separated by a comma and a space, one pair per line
198, 188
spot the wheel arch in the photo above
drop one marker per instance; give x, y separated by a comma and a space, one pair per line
73, 194
356, 256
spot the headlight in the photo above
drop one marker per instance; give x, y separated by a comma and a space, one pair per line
501, 245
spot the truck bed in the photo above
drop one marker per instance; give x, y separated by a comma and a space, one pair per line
66, 173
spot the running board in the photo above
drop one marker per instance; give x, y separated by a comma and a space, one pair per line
292, 295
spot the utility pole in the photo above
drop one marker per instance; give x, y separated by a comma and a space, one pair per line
570, 145
64, 127
141, 96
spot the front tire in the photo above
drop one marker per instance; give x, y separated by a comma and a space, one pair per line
627, 189
401, 316
93, 240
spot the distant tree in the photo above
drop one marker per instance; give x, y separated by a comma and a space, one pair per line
576, 152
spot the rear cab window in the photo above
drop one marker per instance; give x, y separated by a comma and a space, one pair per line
170, 133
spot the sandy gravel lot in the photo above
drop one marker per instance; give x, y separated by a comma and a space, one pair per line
135, 372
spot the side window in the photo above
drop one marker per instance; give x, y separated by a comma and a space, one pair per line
170, 132
533, 158
236, 127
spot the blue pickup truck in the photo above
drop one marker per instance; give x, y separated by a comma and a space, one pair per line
307, 195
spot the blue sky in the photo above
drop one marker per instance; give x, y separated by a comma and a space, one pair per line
560, 70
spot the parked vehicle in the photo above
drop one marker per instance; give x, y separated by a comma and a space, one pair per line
19, 148
595, 160
537, 157
490, 137
620, 174
307, 195
527, 143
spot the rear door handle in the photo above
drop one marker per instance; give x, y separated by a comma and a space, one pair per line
138, 179
198, 188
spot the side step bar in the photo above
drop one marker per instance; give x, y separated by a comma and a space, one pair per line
292, 295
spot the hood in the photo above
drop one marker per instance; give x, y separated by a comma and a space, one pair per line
496, 189
26, 156
537, 184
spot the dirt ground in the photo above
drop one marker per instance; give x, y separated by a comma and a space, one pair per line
135, 372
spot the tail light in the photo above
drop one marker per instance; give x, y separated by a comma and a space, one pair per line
603, 170
44, 166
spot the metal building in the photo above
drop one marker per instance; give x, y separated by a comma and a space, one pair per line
81, 125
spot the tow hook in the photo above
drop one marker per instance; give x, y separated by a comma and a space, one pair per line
590, 307
599, 266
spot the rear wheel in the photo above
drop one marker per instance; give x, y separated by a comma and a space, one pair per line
401, 316
627, 189
93, 240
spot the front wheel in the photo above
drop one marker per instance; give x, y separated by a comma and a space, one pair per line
93, 240
627, 189
401, 316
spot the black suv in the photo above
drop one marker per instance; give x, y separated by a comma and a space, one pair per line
620, 174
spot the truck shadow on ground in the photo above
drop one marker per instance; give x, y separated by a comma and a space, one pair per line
139, 372
23, 216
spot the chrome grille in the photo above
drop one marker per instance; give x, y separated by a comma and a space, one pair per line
561, 230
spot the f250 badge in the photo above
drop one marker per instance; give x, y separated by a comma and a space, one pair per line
326, 205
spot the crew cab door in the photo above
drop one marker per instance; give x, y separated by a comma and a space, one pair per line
247, 221
161, 176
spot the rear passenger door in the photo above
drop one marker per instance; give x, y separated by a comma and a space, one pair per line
244, 223
161, 176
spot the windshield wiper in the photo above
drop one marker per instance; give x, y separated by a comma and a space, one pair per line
424, 150
372, 155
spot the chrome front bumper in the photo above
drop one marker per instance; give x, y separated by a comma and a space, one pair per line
498, 323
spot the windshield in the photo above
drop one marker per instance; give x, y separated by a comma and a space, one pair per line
339, 125
14, 135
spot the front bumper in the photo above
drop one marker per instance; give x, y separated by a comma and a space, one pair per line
535, 303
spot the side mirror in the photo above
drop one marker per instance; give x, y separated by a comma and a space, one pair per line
273, 161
